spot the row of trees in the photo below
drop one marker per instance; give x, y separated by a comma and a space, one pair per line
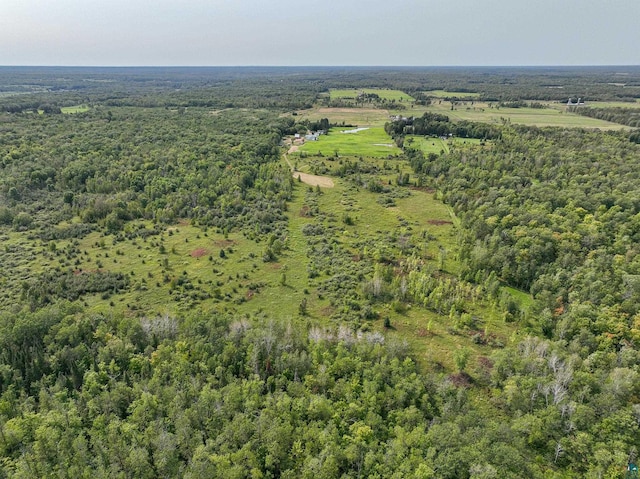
625, 116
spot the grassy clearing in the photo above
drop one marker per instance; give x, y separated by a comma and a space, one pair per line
437, 145
488, 113
74, 109
427, 145
428, 226
372, 142
451, 94
347, 116
184, 267
395, 95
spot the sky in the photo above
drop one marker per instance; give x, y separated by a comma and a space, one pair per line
328, 32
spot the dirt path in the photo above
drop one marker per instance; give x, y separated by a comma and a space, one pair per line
314, 180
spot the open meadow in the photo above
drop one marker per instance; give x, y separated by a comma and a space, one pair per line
494, 114
384, 94
451, 94
361, 141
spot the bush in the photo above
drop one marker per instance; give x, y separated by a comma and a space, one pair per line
22, 221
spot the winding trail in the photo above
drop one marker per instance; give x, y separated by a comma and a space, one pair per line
312, 180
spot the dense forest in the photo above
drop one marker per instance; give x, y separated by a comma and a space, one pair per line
152, 163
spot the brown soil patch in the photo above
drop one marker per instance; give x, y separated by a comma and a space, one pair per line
184, 222
276, 265
293, 149
461, 379
440, 222
423, 333
199, 253
327, 311
305, 211
314, 180
485, 362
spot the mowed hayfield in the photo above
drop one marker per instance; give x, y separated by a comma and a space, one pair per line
373, 142
451, 94
613, 104
352, 93
490, 113
347, 116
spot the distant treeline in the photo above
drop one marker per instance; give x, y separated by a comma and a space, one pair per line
295, 88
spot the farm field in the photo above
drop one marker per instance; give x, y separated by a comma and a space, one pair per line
384, 94
368, 141
451, 94
484, 112
348, 116
613, 104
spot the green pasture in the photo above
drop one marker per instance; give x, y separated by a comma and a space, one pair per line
385, 94
611, 104
491, 113
373, 142
347, 116
451, 94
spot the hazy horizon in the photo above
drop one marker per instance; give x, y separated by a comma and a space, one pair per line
354, 33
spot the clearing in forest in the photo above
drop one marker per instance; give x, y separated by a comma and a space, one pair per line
314, 180
555, 115
372, 142
383, 94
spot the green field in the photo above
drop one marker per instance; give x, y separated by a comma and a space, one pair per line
613, 104
347, 116
74, 109
489, 113
373, 142
415, 216
451, 94
395, 95
437, 145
